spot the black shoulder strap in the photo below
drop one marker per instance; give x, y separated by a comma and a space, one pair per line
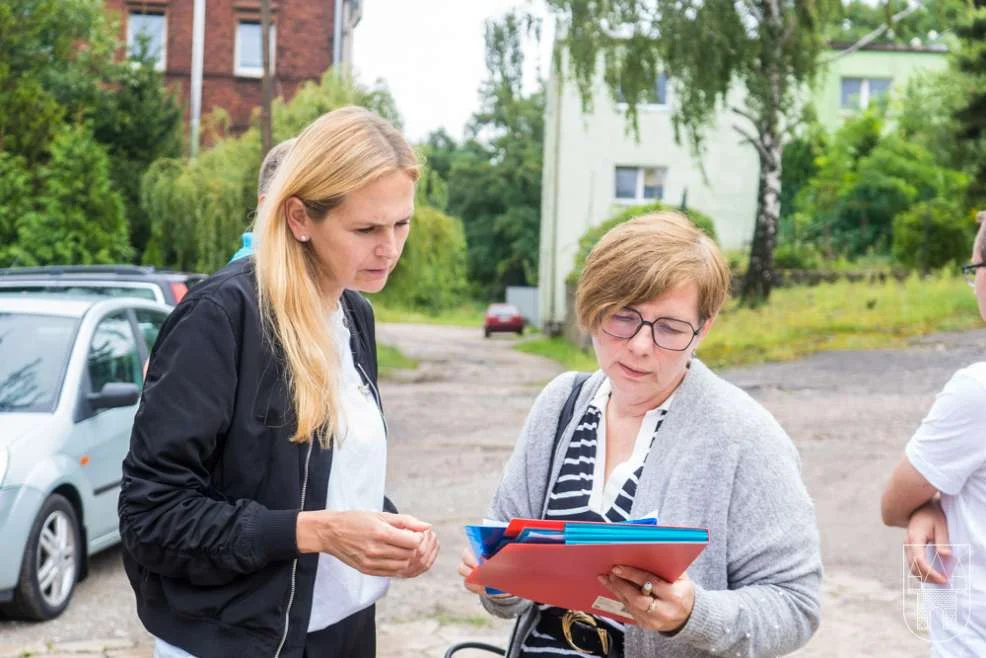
564, 419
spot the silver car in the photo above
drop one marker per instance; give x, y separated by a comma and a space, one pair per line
71, 370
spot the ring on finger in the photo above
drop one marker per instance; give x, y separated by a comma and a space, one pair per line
647, 588
650, 608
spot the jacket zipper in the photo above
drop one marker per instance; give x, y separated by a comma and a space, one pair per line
294, 564
376, 396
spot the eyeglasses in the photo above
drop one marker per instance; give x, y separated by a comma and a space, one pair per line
668, 333
969, 272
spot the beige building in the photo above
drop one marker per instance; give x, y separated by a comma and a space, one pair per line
593, 165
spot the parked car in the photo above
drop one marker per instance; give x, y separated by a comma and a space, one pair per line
165, 286
503, 317
71, 371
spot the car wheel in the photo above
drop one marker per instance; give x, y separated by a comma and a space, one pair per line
52, 562
486, 333
520, 332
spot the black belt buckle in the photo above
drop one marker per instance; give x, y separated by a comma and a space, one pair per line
576, 617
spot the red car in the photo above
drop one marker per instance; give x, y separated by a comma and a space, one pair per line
503, 317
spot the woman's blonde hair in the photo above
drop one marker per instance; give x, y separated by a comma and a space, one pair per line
335, 155
641, 259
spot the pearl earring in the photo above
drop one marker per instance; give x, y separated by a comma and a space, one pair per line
303, 238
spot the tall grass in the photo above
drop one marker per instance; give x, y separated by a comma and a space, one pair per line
804, 320
466, 315
389, 358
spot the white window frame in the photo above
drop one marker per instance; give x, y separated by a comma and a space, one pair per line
162, 63
250, 71
864, 91
638, 197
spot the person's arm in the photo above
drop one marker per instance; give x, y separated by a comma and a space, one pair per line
772, 606
513, 497
172, 521
948, 446
906, 491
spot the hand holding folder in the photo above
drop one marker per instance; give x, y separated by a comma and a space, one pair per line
557, 562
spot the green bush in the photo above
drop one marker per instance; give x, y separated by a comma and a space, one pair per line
431, 273
589, 239
933, 234
797, 256
76, 215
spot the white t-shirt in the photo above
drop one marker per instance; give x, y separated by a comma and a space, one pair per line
359, 466
949, 450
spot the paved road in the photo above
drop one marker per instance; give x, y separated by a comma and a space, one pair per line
453, 423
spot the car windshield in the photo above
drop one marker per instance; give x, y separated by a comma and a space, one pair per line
34, 351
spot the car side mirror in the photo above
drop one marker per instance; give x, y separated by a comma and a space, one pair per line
115, 394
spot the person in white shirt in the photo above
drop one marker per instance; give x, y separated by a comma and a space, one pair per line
938, 492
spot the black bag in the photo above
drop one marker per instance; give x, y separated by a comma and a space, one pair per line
564, 418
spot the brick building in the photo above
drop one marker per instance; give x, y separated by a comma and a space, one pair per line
305, 40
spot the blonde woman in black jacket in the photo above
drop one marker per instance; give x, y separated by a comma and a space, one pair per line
251, 504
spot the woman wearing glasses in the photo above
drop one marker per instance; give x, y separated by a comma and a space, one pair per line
654, 432
938, 492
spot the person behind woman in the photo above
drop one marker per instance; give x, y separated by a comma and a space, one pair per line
938, 492
250, 509
656, 433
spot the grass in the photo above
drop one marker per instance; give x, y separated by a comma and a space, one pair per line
561, 350
805, 320
466, 315
389, 358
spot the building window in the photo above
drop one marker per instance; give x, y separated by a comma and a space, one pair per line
657, 94
858, 93
638, 184
150, 32
249, 62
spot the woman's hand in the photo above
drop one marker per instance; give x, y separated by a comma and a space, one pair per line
374, 543
665, 609
424, 556
926, 526
466, 565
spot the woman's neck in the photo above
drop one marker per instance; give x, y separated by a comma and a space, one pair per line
625, 406
331, 294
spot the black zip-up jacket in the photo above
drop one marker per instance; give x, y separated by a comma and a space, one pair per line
212, 486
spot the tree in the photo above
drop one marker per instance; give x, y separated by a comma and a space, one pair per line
971, 115
862, 17
866, 178
77, 217
138, 121
768, 49
49, 50
58, 71
494, 179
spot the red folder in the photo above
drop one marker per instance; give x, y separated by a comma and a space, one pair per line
566, 575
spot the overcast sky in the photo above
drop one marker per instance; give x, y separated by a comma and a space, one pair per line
432, 55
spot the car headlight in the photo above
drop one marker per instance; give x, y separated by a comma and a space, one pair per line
3, 464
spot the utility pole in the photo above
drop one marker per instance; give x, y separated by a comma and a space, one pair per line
266, 88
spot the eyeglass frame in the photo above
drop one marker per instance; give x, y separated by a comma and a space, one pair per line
970, 271
651, 323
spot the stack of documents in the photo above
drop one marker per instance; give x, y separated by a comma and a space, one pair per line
558, 562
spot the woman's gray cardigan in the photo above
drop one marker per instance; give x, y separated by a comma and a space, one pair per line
720, 461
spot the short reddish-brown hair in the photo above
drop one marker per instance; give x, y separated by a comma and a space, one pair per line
643, 258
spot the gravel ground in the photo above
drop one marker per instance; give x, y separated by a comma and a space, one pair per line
453, 423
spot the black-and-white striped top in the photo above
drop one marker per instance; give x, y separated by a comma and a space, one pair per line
580, 494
